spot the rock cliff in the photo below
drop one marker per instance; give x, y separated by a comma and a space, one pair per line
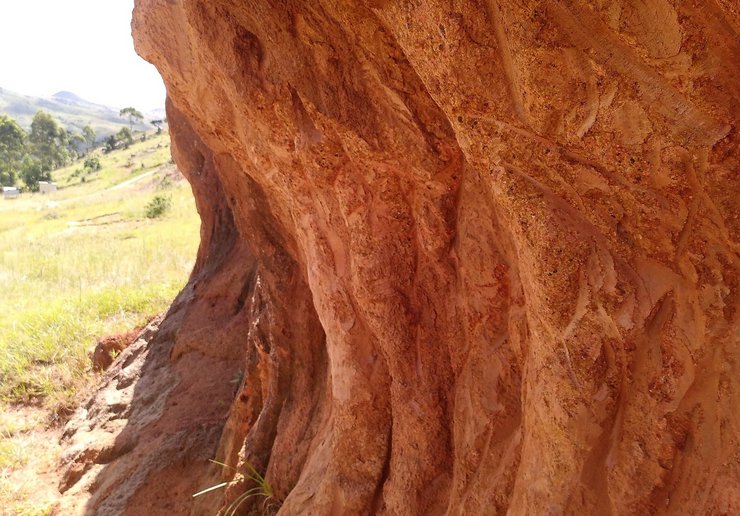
457, 257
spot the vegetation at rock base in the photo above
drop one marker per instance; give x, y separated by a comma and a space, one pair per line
86, 262
79, 264
261, 490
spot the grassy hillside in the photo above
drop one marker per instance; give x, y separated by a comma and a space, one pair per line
72, 112
86, 262
77, 265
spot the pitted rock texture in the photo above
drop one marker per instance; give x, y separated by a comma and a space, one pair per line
470, 257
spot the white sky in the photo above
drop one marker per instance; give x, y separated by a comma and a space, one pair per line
82, 46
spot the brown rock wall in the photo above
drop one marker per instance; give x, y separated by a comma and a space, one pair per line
472, 257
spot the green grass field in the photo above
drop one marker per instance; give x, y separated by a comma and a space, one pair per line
86, 262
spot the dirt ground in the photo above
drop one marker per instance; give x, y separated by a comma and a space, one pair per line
29, 454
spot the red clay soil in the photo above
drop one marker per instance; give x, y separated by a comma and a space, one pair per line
108, 347
457, 257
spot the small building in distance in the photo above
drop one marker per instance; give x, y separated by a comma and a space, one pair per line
11, 192
45, 187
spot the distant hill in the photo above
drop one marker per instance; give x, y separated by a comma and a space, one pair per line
71, 111
69, 98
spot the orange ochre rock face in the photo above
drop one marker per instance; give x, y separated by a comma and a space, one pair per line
457, 258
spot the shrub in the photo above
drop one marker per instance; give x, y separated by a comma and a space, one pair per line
111, 144
165, 184
158, 206
93, 164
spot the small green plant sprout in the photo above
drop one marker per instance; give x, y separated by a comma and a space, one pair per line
237, 378
158, 206
262, 489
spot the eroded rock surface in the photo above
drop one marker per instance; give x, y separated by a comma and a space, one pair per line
460, 257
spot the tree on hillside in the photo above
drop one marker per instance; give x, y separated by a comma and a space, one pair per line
47, 142
33, 171
76, 145
110, 143
132, 115
12, 141
125, 137
89, 134
158, 125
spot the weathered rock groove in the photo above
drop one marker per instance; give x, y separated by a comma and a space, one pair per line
457, 258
